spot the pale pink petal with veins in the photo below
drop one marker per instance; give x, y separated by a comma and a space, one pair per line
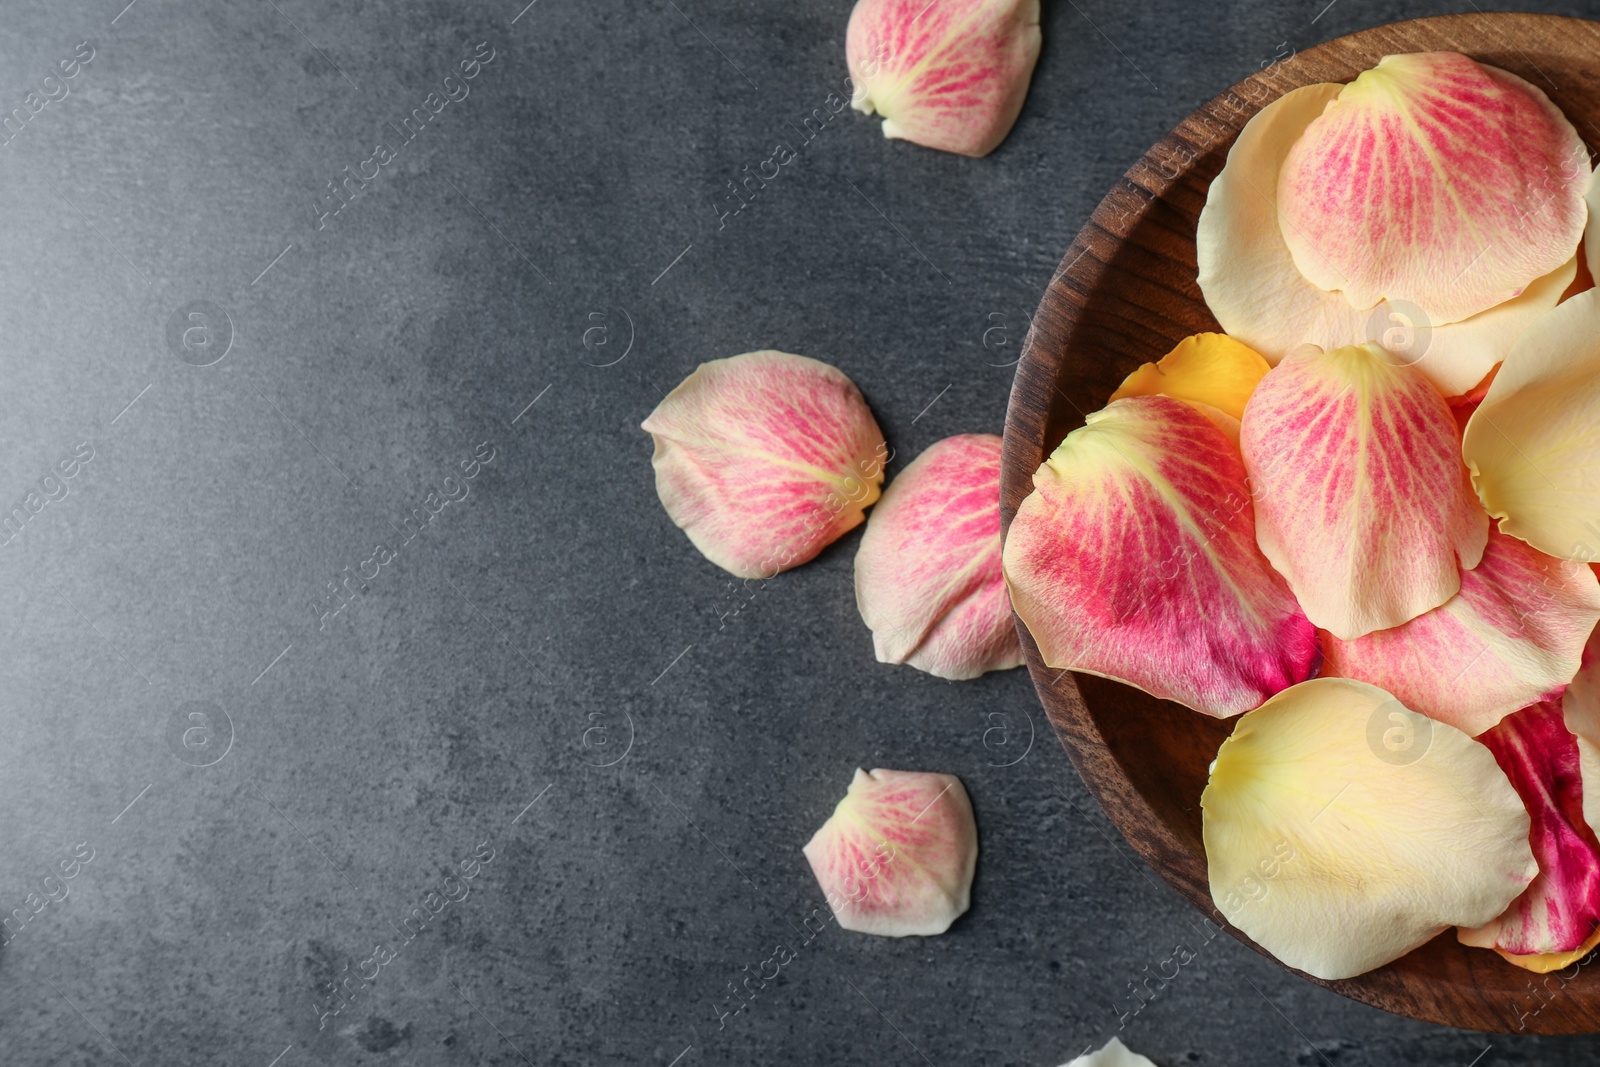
928, 579
1435, 180
1362, 500
765, 459
1251, 283
1513, 635
897, 855
947, 74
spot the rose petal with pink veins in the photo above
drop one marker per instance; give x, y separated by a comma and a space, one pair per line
1512, 635
946, 74
897, 855
1463, 406
1253, 287
1135, 558
1361, 499
1435, 180
1560, 910
928, 580
765, 459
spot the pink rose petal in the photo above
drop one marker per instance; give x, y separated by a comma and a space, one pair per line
1434, 180
1512, 635
897, 855
947, 74
765, 459
1252, 286
1362, 501
1561, 908
1135, 558
928, 580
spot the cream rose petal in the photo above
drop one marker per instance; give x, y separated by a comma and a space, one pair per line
1591, 231
1135, 558
765, 459
1463, 406
947, 74
928, 580
1513, 635
1260, 297
1435, 180
1533, 445
1338, 845
1112, 1054
1560, 910
1361, 499
897, 855
1580, 706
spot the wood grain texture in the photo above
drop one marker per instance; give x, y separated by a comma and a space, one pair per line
1124, 294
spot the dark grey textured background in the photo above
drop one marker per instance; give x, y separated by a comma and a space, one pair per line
553, 618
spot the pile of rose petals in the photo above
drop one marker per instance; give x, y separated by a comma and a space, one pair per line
765, 459
1364, 517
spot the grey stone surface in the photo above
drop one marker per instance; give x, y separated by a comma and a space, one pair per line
544, 675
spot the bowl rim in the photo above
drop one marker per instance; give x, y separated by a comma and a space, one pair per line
1157, 173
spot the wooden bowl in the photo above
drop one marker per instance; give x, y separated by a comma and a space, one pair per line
1125, 293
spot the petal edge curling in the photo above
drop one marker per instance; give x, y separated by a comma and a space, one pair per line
1533, 445
1580, 711
951, 75
1560, 910
1253, 287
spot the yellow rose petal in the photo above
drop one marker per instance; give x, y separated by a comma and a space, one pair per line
1343, 830
1545, 962
1211, 368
